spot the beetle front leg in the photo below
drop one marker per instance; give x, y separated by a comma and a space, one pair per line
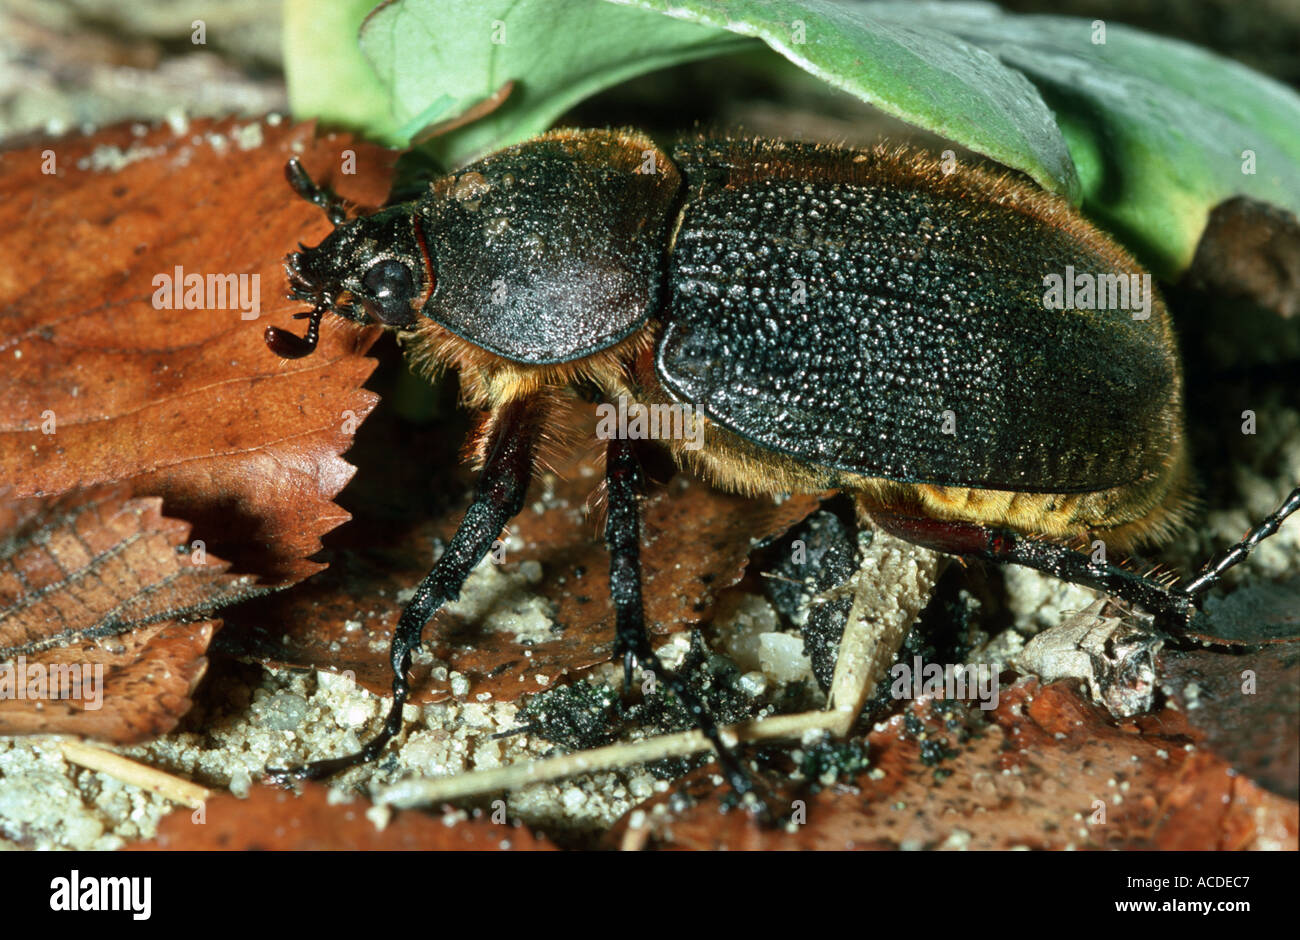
499, 496
631, 639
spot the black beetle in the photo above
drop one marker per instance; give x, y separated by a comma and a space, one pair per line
871, 321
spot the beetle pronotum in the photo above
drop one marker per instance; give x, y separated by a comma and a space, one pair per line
841, 319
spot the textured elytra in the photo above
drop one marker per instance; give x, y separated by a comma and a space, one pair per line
551, 250
915, 302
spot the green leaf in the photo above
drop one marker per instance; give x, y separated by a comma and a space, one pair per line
1158, 129
556, 53
327, 76
909, 66
1148, 133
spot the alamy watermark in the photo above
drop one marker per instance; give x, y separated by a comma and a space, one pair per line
638, 422
83, 682
1082, 290
103, 893
181, 291
964, 681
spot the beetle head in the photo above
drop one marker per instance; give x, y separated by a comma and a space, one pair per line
372, 269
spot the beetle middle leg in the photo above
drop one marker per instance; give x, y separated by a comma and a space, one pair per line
631, 639
498, 498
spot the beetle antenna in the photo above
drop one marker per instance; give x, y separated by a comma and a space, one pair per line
288, 346
322, 196
1215, 568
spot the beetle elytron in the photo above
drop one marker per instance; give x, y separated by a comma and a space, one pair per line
860, 320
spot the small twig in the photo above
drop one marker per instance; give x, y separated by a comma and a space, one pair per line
878, 620
780, 577
139, 775
428, 791
635, 836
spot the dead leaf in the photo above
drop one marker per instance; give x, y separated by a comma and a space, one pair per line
98, 599
1254, 615
103, 383
1250, 249
1245, 700
271, 819
1245, 708
1048, 770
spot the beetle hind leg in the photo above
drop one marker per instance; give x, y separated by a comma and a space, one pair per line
632, 639
1171, 608
1215, 568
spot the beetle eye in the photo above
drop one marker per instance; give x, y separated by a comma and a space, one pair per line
391, 290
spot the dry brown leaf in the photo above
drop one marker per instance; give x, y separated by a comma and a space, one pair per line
271, 819
1244, 698
1245, 708
695, 543
1256, 615
1037, 775
100, 385
1250, 249
104, 590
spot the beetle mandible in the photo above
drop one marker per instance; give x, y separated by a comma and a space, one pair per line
868, 321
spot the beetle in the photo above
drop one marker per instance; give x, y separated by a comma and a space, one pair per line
871, 321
